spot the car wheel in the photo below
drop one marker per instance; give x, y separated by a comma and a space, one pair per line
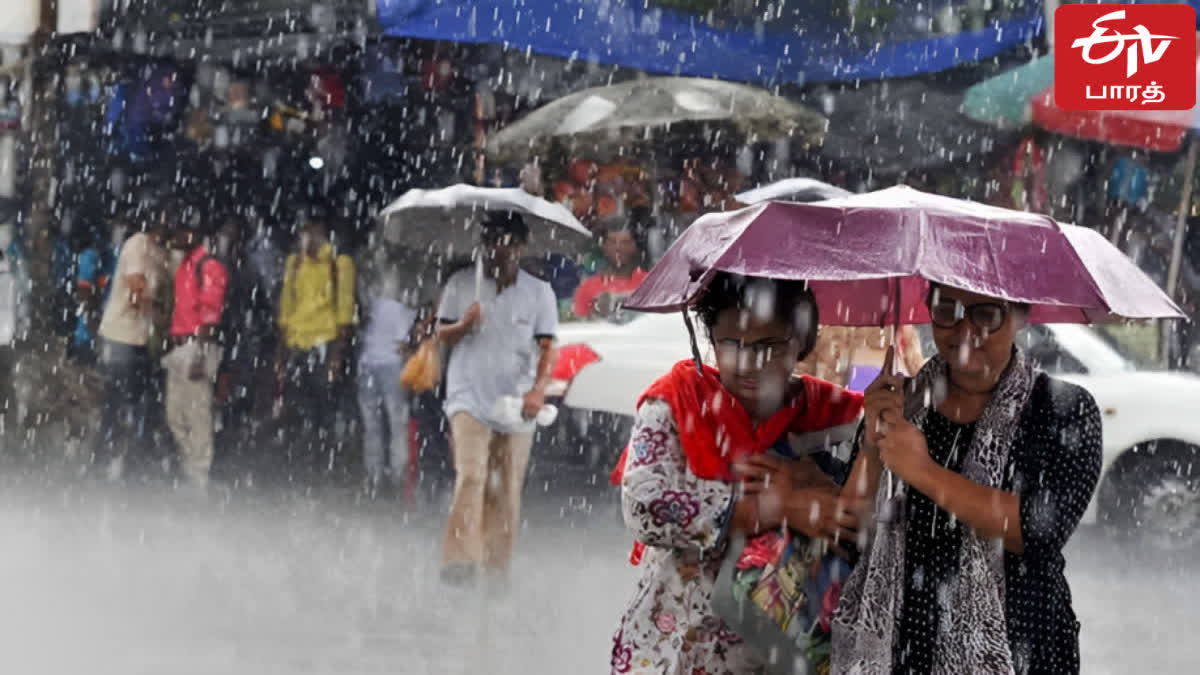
609, 434
1152, 494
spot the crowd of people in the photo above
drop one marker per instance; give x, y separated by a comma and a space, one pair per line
232, 337
213, 342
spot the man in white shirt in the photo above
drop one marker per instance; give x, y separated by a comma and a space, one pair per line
501, 327
124, 333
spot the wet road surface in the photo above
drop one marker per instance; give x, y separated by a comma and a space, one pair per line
98, 579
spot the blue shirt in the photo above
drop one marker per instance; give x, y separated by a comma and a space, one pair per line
388, 324
88, 271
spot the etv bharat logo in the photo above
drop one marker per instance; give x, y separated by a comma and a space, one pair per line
1144, 39
1159, 68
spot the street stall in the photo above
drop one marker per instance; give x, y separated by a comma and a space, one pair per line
1154, 133
661, 149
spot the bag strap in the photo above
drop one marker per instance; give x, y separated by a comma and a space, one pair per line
333, 277
200, 270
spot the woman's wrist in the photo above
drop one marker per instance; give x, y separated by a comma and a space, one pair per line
804, 509
928, 480
746, 514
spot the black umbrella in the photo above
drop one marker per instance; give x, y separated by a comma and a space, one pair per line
893, 127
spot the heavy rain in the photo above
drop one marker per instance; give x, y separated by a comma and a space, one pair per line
630, 336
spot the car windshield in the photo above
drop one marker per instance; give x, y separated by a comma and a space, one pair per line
1137, 343
1073, 349
616, 316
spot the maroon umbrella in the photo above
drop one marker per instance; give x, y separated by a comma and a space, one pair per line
862, 251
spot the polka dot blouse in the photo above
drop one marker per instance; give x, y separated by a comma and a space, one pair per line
1055, 465
932, 538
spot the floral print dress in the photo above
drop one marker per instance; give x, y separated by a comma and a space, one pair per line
669, 627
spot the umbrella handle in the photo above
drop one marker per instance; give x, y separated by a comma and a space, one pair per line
893, 485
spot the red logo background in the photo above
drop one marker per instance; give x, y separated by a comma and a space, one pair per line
1077, 83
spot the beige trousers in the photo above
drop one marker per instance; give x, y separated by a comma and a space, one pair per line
190, 408
486, 512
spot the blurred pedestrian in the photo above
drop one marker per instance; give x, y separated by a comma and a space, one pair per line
260, 265
388, 340
191, 365
500, 322
63, 261
316, 315
125, 331
94, 267
624, 248
242, 357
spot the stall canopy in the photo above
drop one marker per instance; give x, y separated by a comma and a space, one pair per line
810, 42
214, 20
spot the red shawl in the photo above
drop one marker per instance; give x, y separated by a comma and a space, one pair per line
715, 431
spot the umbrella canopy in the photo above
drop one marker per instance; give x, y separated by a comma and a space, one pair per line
1159, 130
1127, 290
863, 251
1004, 100
893, 127
793, 189
445, 220
620, 114
1026, 94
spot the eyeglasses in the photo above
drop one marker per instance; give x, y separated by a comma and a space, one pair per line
769, 350
986, 316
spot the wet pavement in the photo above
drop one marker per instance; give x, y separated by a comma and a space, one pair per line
101, 579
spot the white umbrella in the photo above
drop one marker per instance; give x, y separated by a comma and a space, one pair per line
620, 114
445, 220
793, 189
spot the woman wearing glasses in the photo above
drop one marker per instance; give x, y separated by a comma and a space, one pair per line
994, 464
696, 468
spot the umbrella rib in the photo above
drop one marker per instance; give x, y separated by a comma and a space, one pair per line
1091, 280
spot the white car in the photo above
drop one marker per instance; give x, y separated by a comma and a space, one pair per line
1151, 479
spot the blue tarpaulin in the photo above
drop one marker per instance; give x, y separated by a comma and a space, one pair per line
641, 36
